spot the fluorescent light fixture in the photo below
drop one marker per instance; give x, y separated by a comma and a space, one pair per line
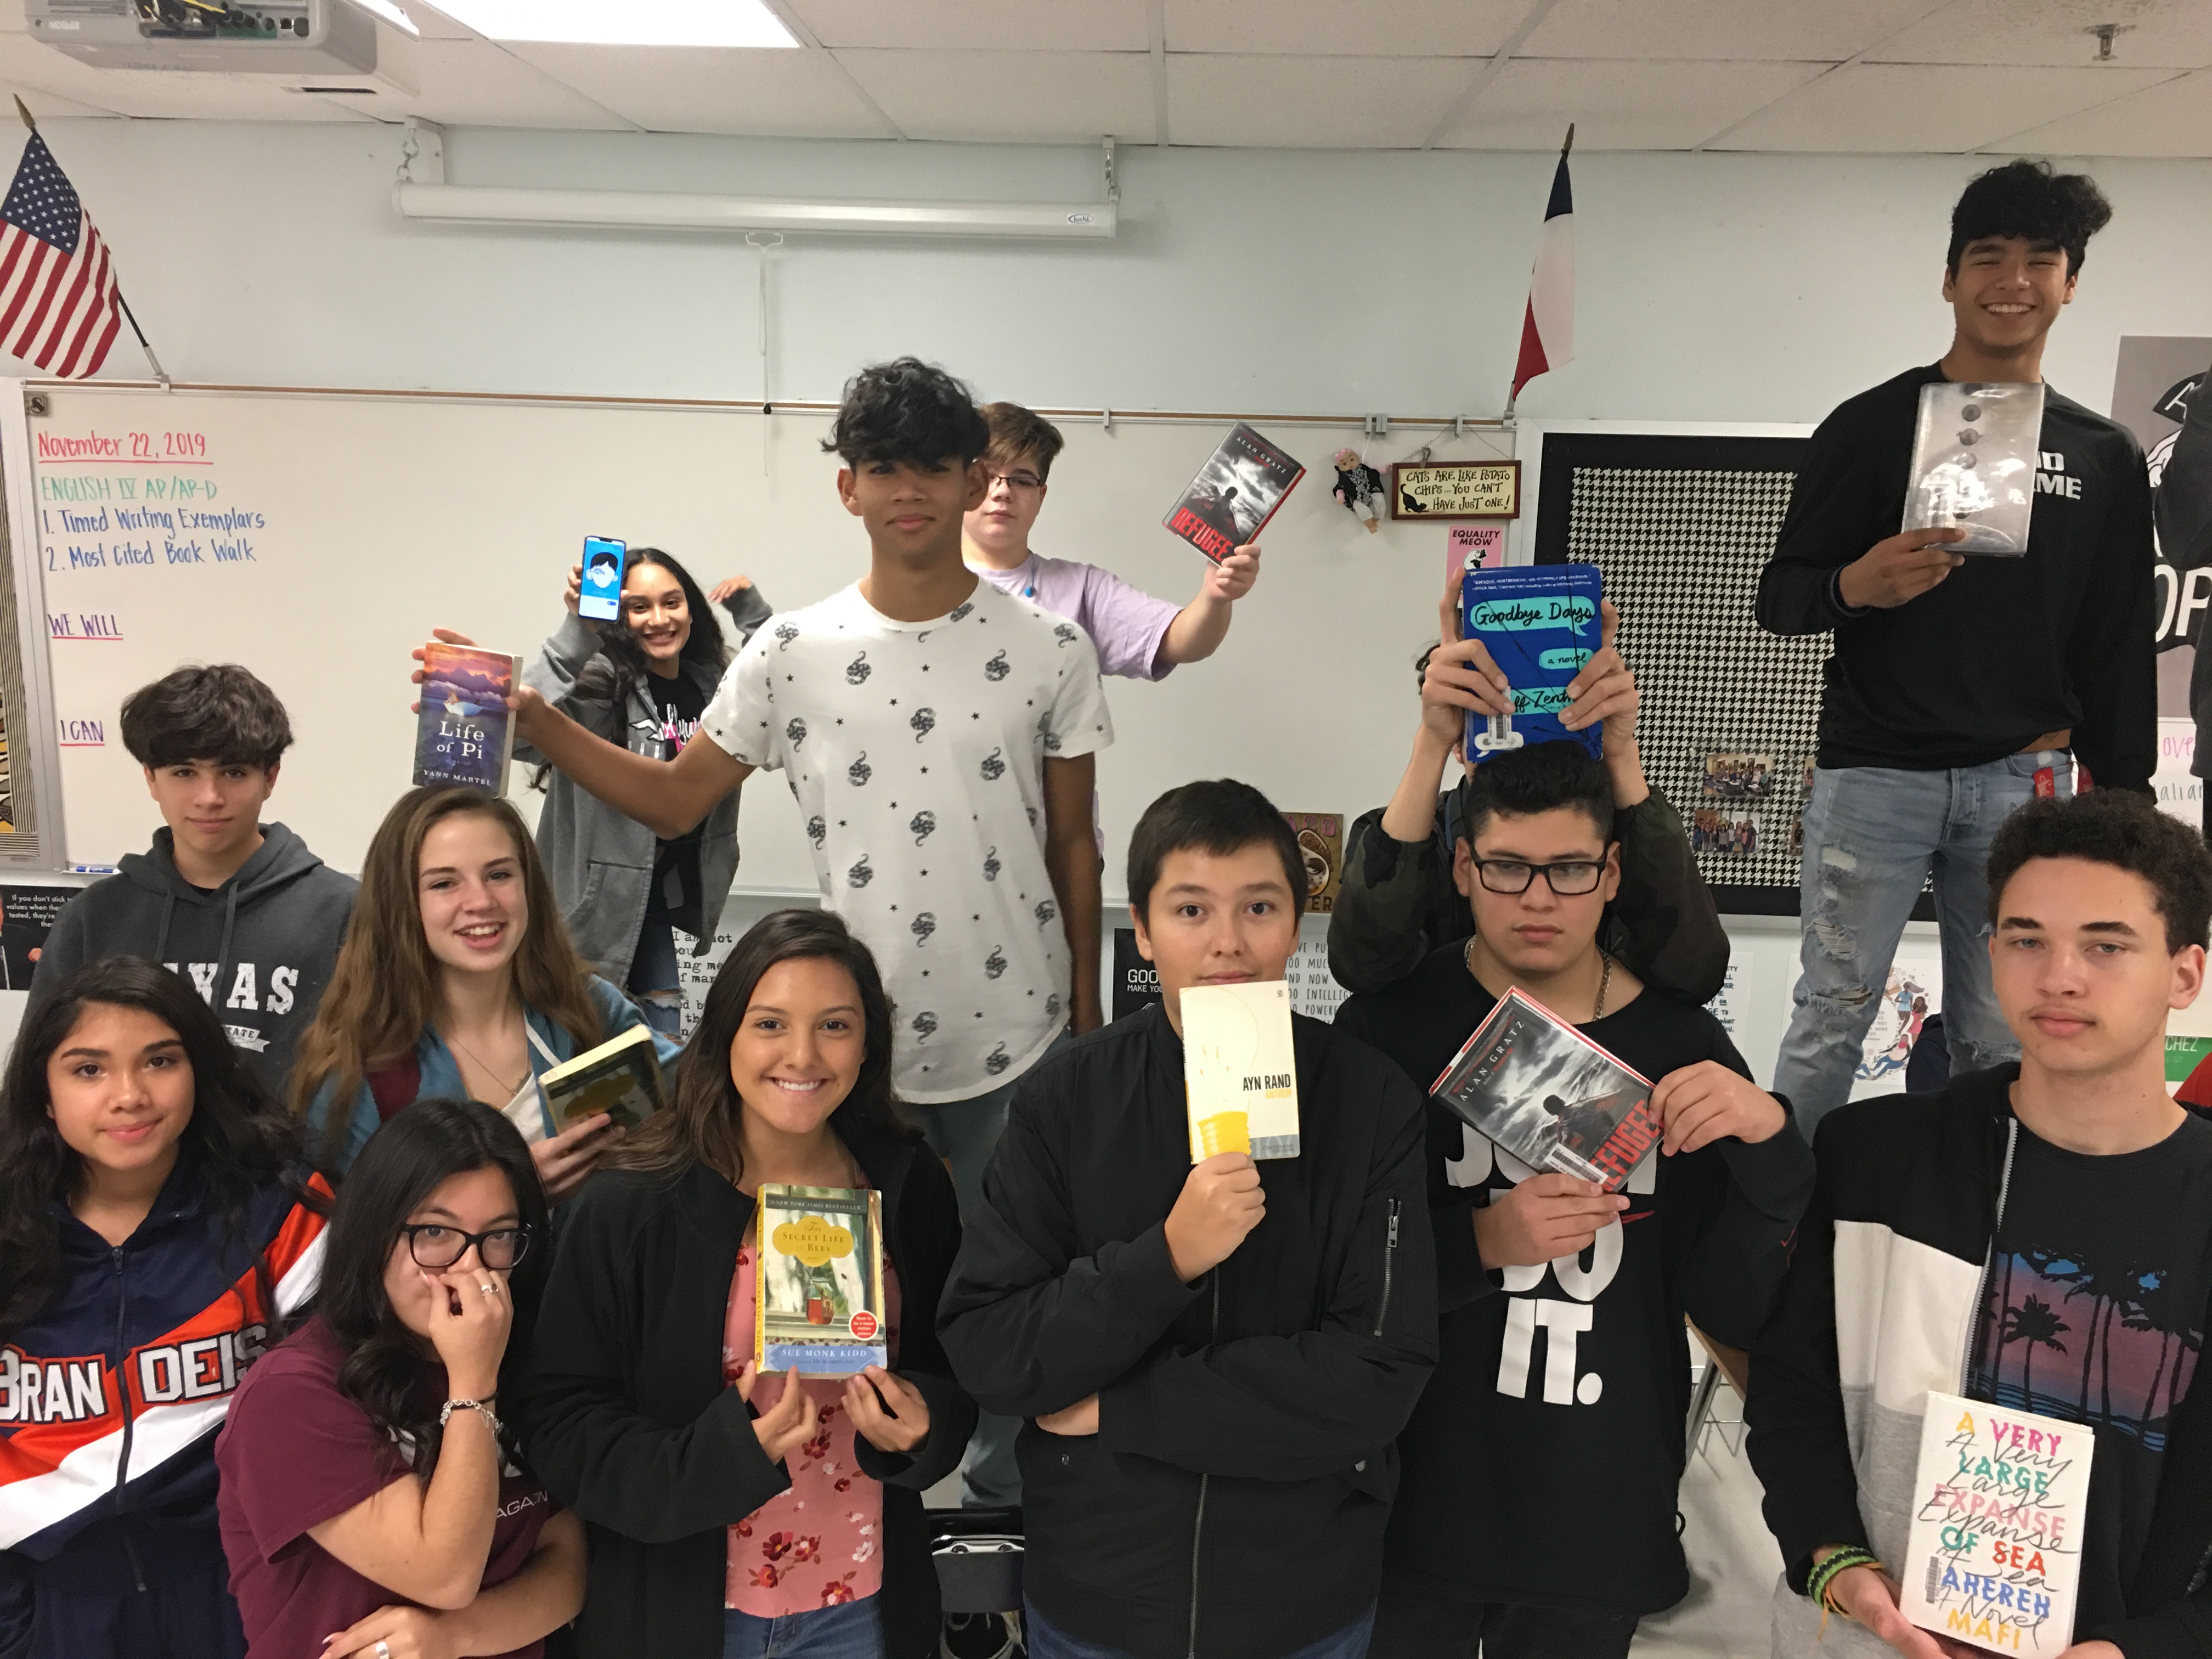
623, 22
640, 210
390, 13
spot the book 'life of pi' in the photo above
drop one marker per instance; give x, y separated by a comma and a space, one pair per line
465, 730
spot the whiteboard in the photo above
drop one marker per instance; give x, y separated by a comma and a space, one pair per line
333, 530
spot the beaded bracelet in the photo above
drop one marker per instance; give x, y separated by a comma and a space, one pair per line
1823, 1576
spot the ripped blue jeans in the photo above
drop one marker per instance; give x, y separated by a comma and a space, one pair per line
1873, 838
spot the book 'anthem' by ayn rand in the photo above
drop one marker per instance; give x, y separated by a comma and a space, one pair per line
818, 1280
1240, 1071
1234, 494
620, 1078
1549, 1096
465, 733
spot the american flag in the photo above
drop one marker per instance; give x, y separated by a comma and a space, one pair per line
58, 304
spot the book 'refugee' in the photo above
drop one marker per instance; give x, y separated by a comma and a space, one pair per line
1549, 1096
818, 1280
1541, 623
1240, 1070
466, 731
1234, 494
620, 1078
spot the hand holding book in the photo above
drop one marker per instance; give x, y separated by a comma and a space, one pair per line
788, 1424
886, 1412
1704, 1102
1899, 568
1221, 1201
1545, 1217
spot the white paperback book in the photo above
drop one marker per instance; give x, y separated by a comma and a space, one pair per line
1995, 1553
1240, 1070
1975, 447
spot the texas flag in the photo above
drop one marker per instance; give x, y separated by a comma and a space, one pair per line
1547, 329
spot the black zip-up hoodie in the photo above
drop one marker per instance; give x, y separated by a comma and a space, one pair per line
258, 949
1231, 1504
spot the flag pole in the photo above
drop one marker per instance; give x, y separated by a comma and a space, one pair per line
122, 304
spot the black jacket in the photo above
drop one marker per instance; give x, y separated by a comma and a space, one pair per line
1231, 1504
628, 1421
1397, 903
1904, 1216
2001, 650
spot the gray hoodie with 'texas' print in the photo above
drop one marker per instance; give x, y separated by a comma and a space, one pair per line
259, 949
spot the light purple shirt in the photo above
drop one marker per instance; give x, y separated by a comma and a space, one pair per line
1125, 624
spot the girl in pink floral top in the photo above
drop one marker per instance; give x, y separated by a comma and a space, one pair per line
650, 1418
820, 1544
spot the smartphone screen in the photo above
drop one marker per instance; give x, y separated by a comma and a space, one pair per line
603, 561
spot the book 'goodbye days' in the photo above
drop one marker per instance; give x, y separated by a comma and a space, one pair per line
466, 731
1549, 1096
1541, 623
1239, 1070
818, 1280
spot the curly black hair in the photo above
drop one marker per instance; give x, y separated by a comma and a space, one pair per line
1541, 778
908, 411
2125, 830
2027, 198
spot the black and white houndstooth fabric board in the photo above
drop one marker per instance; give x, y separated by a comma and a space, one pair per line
1679, 526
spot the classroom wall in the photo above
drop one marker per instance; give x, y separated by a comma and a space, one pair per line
1712, 288
1758, 287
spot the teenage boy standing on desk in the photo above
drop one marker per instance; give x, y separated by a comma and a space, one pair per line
939, 736
1138, 636
1956, 685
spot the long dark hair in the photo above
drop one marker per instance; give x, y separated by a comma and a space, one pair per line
701, 1124
239, 1140
429, 1142
620, 667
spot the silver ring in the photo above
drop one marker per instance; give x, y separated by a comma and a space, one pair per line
384, 1651
489, 1290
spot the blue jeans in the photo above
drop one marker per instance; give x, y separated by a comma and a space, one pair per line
656, 978
1873, 838
854, 1630
1046, 1640
965, 1133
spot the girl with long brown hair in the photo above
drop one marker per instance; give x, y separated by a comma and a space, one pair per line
458, 981
714, 1530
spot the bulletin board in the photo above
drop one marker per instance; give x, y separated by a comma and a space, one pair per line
1680, 520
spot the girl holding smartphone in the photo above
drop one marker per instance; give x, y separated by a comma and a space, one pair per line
643, 681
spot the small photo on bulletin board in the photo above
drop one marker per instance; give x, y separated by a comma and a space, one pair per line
1679, 526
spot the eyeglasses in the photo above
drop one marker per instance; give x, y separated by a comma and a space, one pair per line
435, 1245
1569, 878
1016, 480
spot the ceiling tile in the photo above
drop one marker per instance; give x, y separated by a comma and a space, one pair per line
156, 94
2154, 34
475, 83
753, 91
1311, 103
1042, 97
1945, 110
984, 25
50, 105
2172, 119
1801, 30
1644, 105
1380, 28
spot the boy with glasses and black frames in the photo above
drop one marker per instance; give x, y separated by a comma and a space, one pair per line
1139, 636
1508, 1422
